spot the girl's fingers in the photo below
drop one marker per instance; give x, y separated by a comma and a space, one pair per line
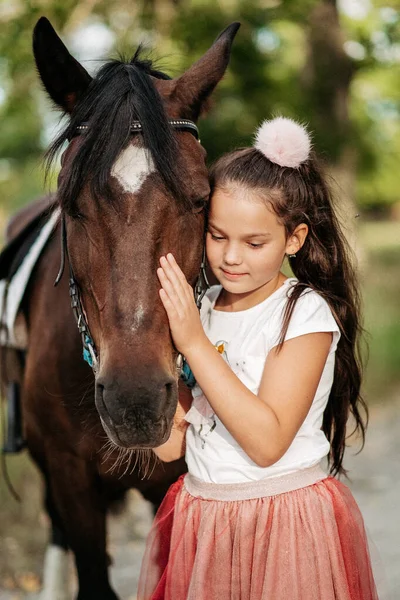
186, 288
168, 286
176, 268
177, 298
173, 273
176, 274
172, 276
168, 283
168, 305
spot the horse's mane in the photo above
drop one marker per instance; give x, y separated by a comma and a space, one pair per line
120, 93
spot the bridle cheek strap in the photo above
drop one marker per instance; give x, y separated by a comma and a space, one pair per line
89, 350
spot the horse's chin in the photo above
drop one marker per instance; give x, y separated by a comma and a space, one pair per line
126, 437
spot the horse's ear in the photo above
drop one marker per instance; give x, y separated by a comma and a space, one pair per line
194, 87
63, 77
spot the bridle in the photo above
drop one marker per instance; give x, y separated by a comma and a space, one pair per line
90, 353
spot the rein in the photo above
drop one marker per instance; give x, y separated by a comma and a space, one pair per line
90, 353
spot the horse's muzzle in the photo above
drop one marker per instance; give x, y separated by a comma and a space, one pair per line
137, 417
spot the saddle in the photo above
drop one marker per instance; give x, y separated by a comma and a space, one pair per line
21, 233
27, 233
25, 230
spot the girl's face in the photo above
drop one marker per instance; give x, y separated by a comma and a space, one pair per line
245, 242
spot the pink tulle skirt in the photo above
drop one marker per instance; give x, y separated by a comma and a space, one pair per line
295, 537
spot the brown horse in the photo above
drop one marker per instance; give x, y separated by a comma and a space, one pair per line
133, 185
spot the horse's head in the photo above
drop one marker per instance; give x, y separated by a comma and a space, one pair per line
126, 199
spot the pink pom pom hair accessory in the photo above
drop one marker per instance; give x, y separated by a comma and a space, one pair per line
284, 142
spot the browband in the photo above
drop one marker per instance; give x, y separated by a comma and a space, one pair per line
136, 127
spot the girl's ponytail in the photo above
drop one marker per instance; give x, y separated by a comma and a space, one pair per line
325, 264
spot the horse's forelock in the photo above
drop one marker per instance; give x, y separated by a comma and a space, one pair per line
121, 92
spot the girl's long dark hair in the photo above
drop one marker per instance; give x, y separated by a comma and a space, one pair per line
324, 264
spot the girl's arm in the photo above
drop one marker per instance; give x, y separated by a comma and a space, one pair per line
174, 448
264, 425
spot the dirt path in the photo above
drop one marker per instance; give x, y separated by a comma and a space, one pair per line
375, 482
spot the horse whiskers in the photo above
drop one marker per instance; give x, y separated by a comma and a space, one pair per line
108, 448
156, 461
128, 452
151, 455
144, 458
117, 462
142, 461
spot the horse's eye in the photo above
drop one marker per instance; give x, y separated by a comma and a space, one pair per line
78, 216
200, 204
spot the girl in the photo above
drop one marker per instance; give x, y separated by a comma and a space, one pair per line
277, 371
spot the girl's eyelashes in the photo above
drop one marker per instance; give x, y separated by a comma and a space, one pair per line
219, 238
215, 237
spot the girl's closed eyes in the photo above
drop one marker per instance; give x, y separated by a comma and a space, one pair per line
220, 238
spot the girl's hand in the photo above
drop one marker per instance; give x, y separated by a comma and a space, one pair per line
174, 448
178, 300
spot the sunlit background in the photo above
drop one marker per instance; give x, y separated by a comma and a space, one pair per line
334, 65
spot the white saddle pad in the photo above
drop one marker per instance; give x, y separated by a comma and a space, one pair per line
13, 331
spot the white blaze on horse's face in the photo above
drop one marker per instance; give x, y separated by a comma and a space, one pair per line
137, 318
132, 167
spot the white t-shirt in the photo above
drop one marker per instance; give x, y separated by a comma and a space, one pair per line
244, 338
